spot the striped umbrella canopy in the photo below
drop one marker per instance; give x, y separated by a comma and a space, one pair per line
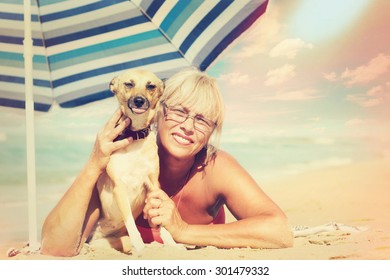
66, 51
78, 46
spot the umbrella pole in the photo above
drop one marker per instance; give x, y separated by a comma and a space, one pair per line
30, 131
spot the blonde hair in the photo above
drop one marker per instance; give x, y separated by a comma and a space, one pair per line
194, 89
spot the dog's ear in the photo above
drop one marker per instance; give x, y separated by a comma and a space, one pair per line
114, 85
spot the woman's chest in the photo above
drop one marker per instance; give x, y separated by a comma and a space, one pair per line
195, 202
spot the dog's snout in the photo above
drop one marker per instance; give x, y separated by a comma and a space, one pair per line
139, 101
138, 104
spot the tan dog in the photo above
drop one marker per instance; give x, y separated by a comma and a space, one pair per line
134, 170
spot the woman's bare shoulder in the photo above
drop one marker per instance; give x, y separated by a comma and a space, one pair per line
224, 170
223, 160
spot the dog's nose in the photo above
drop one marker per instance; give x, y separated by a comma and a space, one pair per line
139, 101
138, 104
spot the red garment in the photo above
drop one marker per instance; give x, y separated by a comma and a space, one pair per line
153, 234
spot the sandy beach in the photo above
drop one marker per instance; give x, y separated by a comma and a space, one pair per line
351, 200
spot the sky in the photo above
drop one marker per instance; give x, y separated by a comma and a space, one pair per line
307, 68
312, 68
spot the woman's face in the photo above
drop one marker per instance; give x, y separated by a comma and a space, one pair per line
180, 135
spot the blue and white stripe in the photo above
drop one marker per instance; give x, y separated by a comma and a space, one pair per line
87, 42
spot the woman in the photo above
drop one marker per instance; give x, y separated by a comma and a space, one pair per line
196, 181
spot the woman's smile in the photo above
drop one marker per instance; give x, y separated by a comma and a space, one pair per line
182, 139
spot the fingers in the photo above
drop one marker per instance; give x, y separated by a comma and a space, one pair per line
161, 216
154, 199
113, 128
161, 210
116, 124
104, 144
122, 143
157, 194
157, 203
114, 118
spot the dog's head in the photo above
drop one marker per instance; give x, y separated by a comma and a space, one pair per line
138, 92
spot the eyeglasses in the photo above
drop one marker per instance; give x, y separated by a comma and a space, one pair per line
179, 115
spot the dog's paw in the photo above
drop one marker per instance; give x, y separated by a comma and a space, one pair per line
138, 245
168, 240
12, 252
25, 250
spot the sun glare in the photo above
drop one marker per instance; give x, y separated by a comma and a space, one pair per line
317, 20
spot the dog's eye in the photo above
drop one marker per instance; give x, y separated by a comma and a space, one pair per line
129, 84
150, 87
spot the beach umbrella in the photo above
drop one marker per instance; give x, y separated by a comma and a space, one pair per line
66, 52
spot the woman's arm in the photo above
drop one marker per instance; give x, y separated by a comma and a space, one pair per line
260, 222
68, 225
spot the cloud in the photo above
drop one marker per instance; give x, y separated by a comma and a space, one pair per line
289, 48
235, 78
364, 101
373, 97
265, 32
368, 72
280, 75
357, 122
294, 95
331, 77
314, 119
376, 91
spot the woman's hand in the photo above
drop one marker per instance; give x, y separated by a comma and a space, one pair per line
104, 143
160, 210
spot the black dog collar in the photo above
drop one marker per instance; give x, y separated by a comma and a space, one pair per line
136, 135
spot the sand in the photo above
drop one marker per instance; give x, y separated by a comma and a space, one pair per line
356, 197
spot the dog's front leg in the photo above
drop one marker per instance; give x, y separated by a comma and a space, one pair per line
166, 237
121, 197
